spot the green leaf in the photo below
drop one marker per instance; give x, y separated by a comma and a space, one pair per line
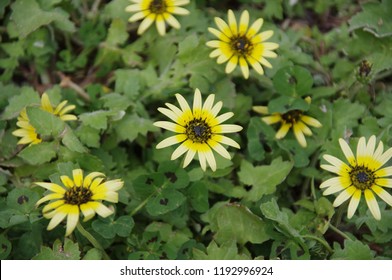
132, 125
166, 201
187, 47
284, 104
272, 212
273, 8
92, 33
72, 142
104, 227
124, 225
226, 251
22, 200
353, 250
172, 240
176, 176
68, 251
198, 195
93, 254
375, 18
254, 134
162, 53
116, 9
45, 123
263, 179
235, 222
39, 153
293, 81
117, 33
3, 5
5, 246
345, 115
28, 16
89, 136
96, 119
108, 228
127, 82
116, 102
26, 97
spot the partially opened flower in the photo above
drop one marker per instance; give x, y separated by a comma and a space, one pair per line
60, 110
239, 43
78, 195
27, 131
295, 119
361, 175
199, 130
160, 11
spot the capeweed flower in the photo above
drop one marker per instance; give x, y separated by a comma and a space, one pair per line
363, 175
27, 131
79, 194
160, 11
241, 44
199, 130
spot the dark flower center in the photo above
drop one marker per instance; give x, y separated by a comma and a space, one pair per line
158, 6
361, 177
292, 116
241, 45
198, 131
77, 195
364, 68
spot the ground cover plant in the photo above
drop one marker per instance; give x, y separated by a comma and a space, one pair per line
176, 129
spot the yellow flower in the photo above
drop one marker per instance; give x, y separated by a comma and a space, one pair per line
198, 130
241, 44
362, 175
61, 110
160, 11
78, 195
294, 119
28, 133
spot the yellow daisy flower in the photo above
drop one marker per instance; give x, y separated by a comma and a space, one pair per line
60, 110
241, 44
28, 133
198, 130
160, 11
294, 119
362, 175
78, 195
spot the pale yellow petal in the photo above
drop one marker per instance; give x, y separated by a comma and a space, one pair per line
202, 160
72, 219
353, 205
77, 177
384, 195
146, 23
189, 156
179, 151
344, 195
232, 22
244, 22
283, 131
347, 152
172, 140
372, 204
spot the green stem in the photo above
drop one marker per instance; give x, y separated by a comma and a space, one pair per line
144, 202
323, 242
92, 240
338, 231
141, 205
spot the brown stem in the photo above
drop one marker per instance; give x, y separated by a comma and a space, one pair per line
66, 82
